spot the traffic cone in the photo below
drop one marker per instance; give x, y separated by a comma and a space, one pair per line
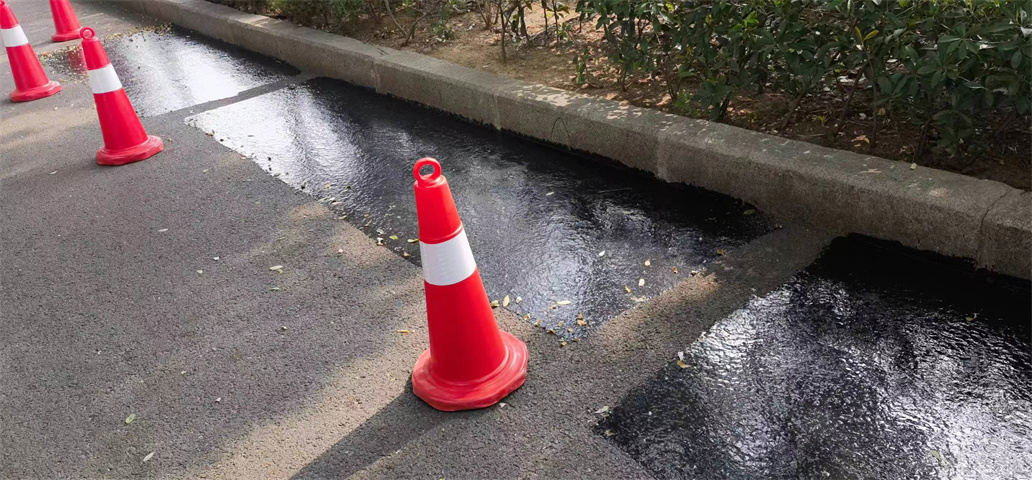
470, 363
65, 21
30, 81
125, 140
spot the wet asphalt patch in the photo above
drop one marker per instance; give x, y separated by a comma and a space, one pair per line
170, 69
872, 363
571, 242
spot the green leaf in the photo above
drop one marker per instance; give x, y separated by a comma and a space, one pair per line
1016, 60
926, 69
130, 418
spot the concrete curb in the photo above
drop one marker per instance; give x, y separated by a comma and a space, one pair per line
831, 189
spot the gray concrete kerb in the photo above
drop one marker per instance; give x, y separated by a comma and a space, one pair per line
830, 189
1006, 246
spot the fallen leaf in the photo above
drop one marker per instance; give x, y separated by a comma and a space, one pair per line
405, 254
602, 253
563, 302
494, 303
393, 237
199, 272
609, 433
130, 418
549, 194
627, 289
277, 268
561, 323
380, 231
721, 252
648, 263
581, 321
163, 230
215, 258
505, 301
862, 138
412, 240
675, 269
149, 456
562, 344
913, 166
641, 282
749, 211
274, 289
603, 410
682, 364
518, 299
404, 332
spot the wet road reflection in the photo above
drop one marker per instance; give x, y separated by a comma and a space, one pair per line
538, 219
173, 69
873, 363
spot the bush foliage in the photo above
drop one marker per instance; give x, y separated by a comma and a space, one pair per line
948, 65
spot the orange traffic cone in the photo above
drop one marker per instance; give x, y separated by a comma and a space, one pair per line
65, 21
30, 81
470, 363
125, 140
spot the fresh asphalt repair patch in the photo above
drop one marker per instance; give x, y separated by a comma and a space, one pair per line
171, 69
564, 241
875, 362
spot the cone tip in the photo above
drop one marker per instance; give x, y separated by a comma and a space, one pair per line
86, 32
426, 180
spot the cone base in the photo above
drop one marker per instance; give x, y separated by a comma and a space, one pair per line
65, 37
36, 93
450, 397
143, 151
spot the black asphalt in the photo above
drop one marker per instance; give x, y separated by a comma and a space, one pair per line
875, 362
562, 236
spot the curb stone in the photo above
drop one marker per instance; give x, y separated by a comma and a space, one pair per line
840, 191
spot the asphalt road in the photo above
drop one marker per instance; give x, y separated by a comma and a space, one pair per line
146, 291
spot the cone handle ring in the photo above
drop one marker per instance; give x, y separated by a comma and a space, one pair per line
426, 180
86, 32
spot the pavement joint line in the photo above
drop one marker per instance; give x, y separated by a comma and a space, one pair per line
831, 189
239, 97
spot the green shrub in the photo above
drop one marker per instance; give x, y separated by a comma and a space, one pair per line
949, 64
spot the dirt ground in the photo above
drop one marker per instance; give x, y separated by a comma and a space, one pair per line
543, 60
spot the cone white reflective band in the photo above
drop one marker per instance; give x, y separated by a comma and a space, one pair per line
448, 262
104, 79
14, 37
